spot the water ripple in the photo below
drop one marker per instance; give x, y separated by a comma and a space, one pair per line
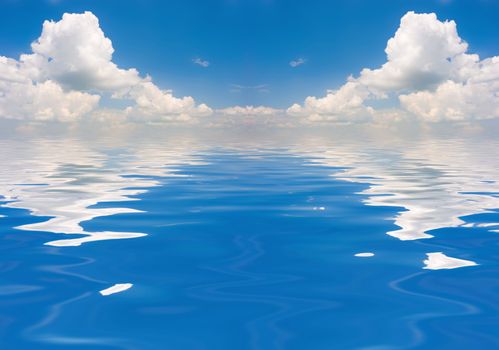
350, 246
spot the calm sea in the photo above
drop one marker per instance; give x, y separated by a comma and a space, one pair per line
184, 245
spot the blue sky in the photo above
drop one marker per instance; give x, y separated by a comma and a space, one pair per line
249, 43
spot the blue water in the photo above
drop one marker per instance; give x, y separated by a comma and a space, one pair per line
249, 248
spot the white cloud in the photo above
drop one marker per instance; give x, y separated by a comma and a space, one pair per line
297, 62
45, 102
249, 111
70, 68
22, 98
201, 62
155, 104
453, 101
342, 105
75, 52
428, 69
10, 71
423, 53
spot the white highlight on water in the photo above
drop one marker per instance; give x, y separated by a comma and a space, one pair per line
364, 255
66, 187
439, 261
117, 288
437, 182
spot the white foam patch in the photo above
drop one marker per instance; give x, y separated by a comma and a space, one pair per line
117, 288
364, 255
439, 261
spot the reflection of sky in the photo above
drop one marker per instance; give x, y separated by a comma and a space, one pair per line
436, 183
64, 180
255, 236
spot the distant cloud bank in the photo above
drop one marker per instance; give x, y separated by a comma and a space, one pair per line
249, 110
428, 76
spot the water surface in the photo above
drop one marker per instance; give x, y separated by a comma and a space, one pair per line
183, 245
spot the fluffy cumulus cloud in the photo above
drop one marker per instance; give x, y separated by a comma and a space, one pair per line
76, 53
342, 105
423, 53
153, 103
23, 98
68, 71
46, 101
430, 72
453, 101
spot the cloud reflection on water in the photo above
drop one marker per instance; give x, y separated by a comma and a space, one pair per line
439, 261
435, 182
64, 180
